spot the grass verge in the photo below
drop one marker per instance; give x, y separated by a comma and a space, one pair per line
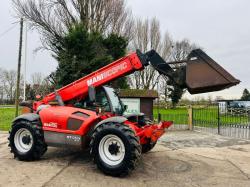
6, 117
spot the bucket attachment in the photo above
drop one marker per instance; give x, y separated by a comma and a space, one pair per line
203, 74
199, 74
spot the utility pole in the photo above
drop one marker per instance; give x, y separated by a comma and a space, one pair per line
158, 101
19, 66
25, 59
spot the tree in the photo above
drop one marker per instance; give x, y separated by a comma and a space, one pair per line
180, 51
54, 19
39, 85
37, 78
30, 93
148, 36
245, 95
83, 35
9, 83
83, 52
116, 47
1, 86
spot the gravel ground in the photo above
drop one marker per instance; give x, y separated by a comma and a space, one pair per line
181, 158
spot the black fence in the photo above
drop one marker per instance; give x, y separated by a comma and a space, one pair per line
233, 122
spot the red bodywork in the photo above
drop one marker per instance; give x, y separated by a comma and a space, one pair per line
55, 118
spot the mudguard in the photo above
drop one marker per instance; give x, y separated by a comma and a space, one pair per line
117, 119
133, 115
29, 117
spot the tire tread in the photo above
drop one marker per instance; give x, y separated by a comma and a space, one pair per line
135, 149
40, 146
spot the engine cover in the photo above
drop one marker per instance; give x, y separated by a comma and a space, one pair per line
65, 126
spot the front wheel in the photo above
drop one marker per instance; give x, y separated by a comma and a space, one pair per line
148, 146
26, 140
115, 149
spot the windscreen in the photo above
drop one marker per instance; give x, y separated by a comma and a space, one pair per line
114, 100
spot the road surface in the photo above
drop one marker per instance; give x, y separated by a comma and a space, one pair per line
181, 159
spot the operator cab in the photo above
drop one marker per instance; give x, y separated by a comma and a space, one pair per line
103, 97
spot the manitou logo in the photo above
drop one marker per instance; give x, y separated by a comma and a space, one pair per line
51, 124
107, 73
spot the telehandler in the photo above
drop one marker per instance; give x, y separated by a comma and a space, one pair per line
86, 113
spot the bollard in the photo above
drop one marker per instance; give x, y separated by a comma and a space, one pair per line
159, 117
190, 118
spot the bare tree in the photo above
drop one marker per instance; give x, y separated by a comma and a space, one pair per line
37, 78
9, 84
54, 18
180, 50
1, 74
147, 36
39, 85
1, 86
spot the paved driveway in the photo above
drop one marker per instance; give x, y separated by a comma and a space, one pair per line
181, 159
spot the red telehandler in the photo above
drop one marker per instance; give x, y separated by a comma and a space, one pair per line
86, 113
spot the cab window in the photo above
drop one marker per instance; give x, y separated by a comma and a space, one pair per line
101, 100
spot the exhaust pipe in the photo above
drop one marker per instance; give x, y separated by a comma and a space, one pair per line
199, 74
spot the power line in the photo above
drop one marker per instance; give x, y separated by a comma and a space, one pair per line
8, 30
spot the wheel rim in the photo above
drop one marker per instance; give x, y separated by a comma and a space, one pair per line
23, 140
111, 150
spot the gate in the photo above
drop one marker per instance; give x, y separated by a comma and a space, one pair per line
233, 122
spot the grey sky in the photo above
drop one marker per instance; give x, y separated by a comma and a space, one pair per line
221, 27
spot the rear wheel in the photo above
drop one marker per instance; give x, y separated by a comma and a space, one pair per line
26, 140
115, 149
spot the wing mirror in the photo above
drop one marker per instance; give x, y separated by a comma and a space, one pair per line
125, 107
92, 94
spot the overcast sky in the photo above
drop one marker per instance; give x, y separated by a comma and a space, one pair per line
221, 27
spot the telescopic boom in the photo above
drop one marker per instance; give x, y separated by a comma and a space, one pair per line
200, 74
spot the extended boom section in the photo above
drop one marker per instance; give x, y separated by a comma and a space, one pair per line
79, 88
200, 74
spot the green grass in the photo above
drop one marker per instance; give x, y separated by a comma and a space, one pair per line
201, 116
6, 117
177, 115
171, 111
211, 119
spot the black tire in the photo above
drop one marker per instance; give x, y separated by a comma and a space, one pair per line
130, 141
148, 146
38, 147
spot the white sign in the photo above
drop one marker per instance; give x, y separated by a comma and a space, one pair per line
223, 107
133, 105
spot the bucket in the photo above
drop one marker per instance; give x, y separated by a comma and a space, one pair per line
198, 74
203, 74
